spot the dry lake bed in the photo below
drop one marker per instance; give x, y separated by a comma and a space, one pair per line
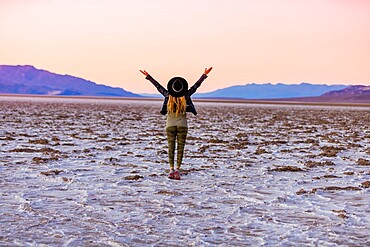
93, 172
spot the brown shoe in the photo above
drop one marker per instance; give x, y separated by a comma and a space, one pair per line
176, 175
171, 175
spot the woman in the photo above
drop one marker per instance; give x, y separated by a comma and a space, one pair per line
176, 103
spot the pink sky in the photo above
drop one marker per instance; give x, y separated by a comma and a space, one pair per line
246, 41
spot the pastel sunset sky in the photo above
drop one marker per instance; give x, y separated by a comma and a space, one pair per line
245, 41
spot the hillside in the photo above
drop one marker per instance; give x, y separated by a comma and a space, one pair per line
350, 94
29, 80
271, 91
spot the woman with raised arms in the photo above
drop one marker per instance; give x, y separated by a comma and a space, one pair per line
176, 103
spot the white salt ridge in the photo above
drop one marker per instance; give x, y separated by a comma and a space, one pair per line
229, 195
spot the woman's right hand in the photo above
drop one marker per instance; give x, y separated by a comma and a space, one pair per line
144, 72
206, 71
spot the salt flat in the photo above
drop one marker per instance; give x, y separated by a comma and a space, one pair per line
90, 172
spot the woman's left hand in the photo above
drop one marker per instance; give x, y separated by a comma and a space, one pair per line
144, 72
206, 71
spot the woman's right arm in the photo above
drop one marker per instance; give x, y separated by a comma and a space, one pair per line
194, 88
159, 87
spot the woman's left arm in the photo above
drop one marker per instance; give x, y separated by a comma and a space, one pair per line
194, 88
159, 87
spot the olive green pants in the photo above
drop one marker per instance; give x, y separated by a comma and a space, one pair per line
173, 133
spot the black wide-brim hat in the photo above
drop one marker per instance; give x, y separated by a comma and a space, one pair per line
177, 87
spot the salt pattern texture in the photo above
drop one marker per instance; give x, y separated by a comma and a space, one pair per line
93, 172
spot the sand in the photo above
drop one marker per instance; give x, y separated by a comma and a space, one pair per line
93, 172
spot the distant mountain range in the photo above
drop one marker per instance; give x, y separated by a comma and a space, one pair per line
350, 94
29, 80
271, 91
267, 91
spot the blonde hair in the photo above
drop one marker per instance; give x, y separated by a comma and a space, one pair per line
176, 105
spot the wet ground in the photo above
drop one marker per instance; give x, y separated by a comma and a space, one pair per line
88, 172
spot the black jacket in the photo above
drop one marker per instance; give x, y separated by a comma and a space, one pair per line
189, 104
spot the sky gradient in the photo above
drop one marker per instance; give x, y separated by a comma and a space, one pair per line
246, 41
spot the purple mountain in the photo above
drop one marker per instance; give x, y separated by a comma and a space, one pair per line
271, 91
356, 90
29, 80
351, 94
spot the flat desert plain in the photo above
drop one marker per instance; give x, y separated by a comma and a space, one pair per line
93, 172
